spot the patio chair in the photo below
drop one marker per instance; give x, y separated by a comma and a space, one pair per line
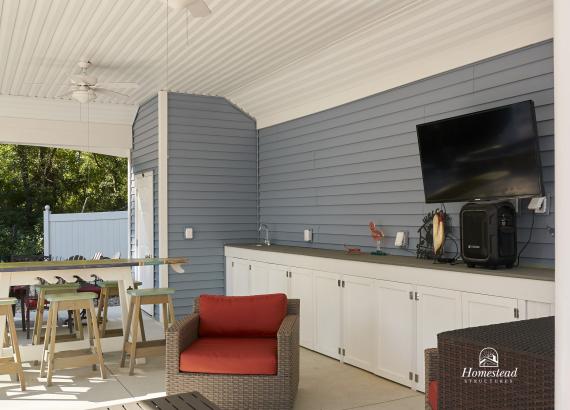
241, 352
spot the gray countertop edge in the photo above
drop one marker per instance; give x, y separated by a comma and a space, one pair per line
533, 273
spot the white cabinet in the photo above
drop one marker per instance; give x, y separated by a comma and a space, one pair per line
359, 321
238, 283
438, 310
277, 279
327, 313
258, 278
396, 334
301, 287
534, 310
481, 310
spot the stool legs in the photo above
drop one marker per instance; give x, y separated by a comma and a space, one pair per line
134, 334
16, 365
49, 355
128, 329
135, 320
94, 339
51, 352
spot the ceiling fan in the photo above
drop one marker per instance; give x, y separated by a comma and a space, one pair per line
85, 87
198, 8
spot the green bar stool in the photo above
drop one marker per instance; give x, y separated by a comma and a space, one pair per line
51, 289
71, 358
109, 289
11, 365
160, 296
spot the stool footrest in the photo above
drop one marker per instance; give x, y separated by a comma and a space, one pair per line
74, 358
9, 367
149, 348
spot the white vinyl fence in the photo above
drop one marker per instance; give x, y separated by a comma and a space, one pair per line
85, 234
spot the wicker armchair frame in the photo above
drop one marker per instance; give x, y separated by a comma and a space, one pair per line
432, 370
238, 392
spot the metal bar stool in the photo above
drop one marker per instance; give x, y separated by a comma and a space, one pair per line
43, 291
11, 365
109, 289
71, 358
161, 296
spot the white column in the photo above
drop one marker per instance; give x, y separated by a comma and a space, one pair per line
163, 185
47, 244
562, 198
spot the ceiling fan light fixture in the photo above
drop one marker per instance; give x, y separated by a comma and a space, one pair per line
83, 96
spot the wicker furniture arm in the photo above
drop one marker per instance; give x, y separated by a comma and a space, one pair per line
432, 370
178, 337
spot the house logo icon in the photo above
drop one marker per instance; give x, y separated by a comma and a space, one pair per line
488, 357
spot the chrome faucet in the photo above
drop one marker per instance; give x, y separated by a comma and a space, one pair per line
267, 240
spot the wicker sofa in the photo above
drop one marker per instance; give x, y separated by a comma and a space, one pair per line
525, 345
237, 391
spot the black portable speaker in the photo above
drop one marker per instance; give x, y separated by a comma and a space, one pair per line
489, 234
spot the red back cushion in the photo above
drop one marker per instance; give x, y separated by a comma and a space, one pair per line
242, 316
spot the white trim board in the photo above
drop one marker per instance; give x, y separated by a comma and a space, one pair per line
163, 185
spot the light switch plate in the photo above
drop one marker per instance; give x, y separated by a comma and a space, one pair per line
189, 233
401, 239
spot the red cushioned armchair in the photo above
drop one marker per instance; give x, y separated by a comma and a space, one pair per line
241, 352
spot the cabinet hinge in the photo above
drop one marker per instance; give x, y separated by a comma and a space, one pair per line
411, 298
338, 283
343, 287
416, 378
339, 351
232, 264
249, 267
411, 376
516, 313
343, 352
416, 296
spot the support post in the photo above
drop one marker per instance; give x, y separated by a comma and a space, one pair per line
562, 198
47, 247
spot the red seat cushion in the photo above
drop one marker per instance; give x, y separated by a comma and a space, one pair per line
242, 316
230, 356
90, 288
433, 394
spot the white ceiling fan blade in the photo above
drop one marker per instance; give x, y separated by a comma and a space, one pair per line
67, 94
116, 85
110, 93
198, 8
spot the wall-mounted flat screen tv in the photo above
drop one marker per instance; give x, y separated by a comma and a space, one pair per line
489, 154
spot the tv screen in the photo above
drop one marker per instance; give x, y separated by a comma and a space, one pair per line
489, 154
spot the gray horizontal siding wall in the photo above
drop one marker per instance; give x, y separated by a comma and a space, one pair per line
212, 185
335, 170
144, 157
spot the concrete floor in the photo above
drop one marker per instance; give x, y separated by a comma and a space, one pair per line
325, 384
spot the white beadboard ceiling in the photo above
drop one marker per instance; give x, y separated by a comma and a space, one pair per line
276, 59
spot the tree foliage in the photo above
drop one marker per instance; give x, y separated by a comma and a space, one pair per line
69, 181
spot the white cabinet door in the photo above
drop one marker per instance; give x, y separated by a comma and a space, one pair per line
359, 322
240, 277
327, 313
258, 278
396, 334
302, 288
437, 310
481, 310
534, 310
277, 279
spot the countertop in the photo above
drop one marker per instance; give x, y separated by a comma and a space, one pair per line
534, 273
87, 264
